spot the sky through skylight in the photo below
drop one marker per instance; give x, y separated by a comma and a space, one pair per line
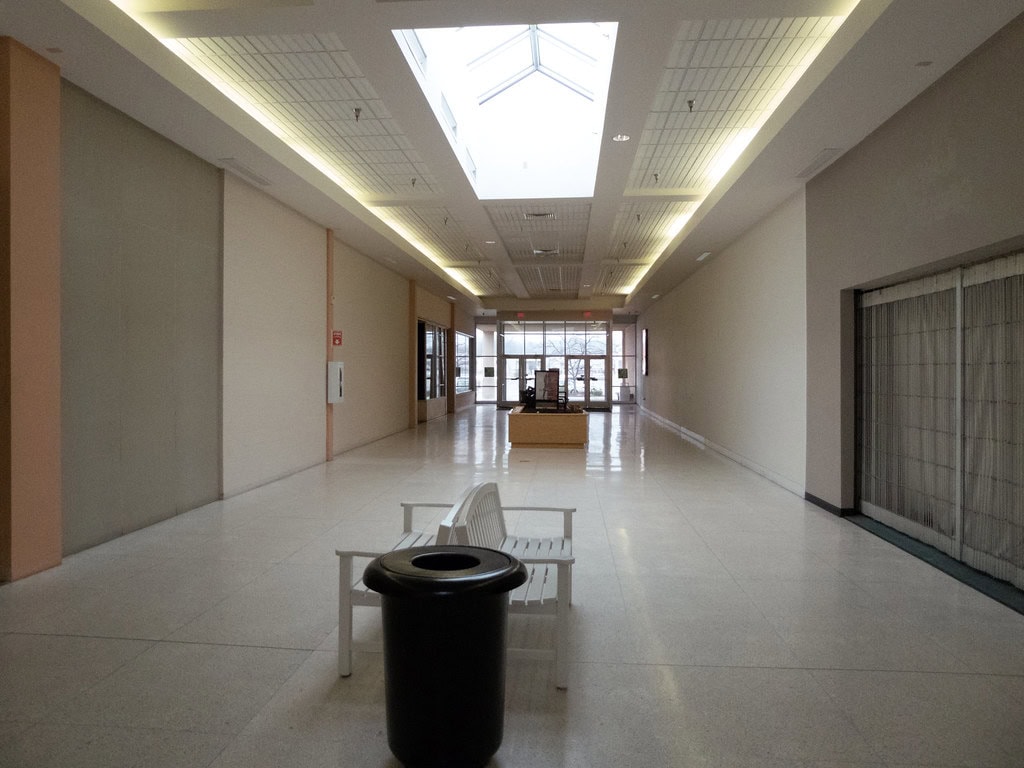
523, 105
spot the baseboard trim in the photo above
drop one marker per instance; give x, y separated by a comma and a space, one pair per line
687, 435
702, 442
828, 507
793, 487
1000, 591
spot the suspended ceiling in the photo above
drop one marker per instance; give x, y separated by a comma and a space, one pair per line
354, 144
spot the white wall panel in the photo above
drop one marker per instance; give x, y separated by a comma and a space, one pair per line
371, 309
140, 324
727, 349
275, 305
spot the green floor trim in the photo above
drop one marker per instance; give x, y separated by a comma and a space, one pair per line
1001, 591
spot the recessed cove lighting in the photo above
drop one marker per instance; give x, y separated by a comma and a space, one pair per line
492, 89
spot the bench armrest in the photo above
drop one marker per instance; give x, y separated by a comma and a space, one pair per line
356, 553
567, 513
409, 506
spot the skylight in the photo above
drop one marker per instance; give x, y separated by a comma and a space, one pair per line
523, 105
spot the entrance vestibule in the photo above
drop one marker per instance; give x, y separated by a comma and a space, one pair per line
586, 353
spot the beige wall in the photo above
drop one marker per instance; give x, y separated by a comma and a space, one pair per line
30, 449
433, 308
275, 305
371, 311
167, 342
727, 350
464, 322
941, 182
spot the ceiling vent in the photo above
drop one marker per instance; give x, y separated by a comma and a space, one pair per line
546, 251
535, 216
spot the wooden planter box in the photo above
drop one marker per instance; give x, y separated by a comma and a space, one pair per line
546, 430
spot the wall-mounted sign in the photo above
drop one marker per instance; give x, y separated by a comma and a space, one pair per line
336, 338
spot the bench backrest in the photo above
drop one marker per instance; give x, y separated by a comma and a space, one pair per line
476, 519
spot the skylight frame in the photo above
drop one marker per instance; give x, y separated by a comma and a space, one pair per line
506, 165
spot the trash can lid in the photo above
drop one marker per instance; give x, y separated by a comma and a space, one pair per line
444, 569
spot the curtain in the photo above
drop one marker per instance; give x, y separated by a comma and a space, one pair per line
940, 412
906, 414
993, 495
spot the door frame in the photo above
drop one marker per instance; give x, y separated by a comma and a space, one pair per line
588, 400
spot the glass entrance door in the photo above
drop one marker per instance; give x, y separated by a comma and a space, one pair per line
519, 374
586, 381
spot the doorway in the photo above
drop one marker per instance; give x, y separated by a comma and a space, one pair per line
519, 374
586, 381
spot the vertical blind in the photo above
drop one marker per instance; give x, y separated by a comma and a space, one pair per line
940, 412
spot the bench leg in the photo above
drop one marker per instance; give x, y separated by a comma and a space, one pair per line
344, 616
562, 627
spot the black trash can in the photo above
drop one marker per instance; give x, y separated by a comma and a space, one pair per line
445, 613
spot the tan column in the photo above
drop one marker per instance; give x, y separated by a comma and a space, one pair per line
30, 470
413, 358
329, 334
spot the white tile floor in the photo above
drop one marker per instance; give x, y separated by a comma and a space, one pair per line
718, 621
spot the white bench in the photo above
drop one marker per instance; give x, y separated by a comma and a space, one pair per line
479, 520
352, 591
478, 517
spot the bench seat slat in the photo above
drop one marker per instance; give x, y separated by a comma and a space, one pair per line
521, 548
541, 588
